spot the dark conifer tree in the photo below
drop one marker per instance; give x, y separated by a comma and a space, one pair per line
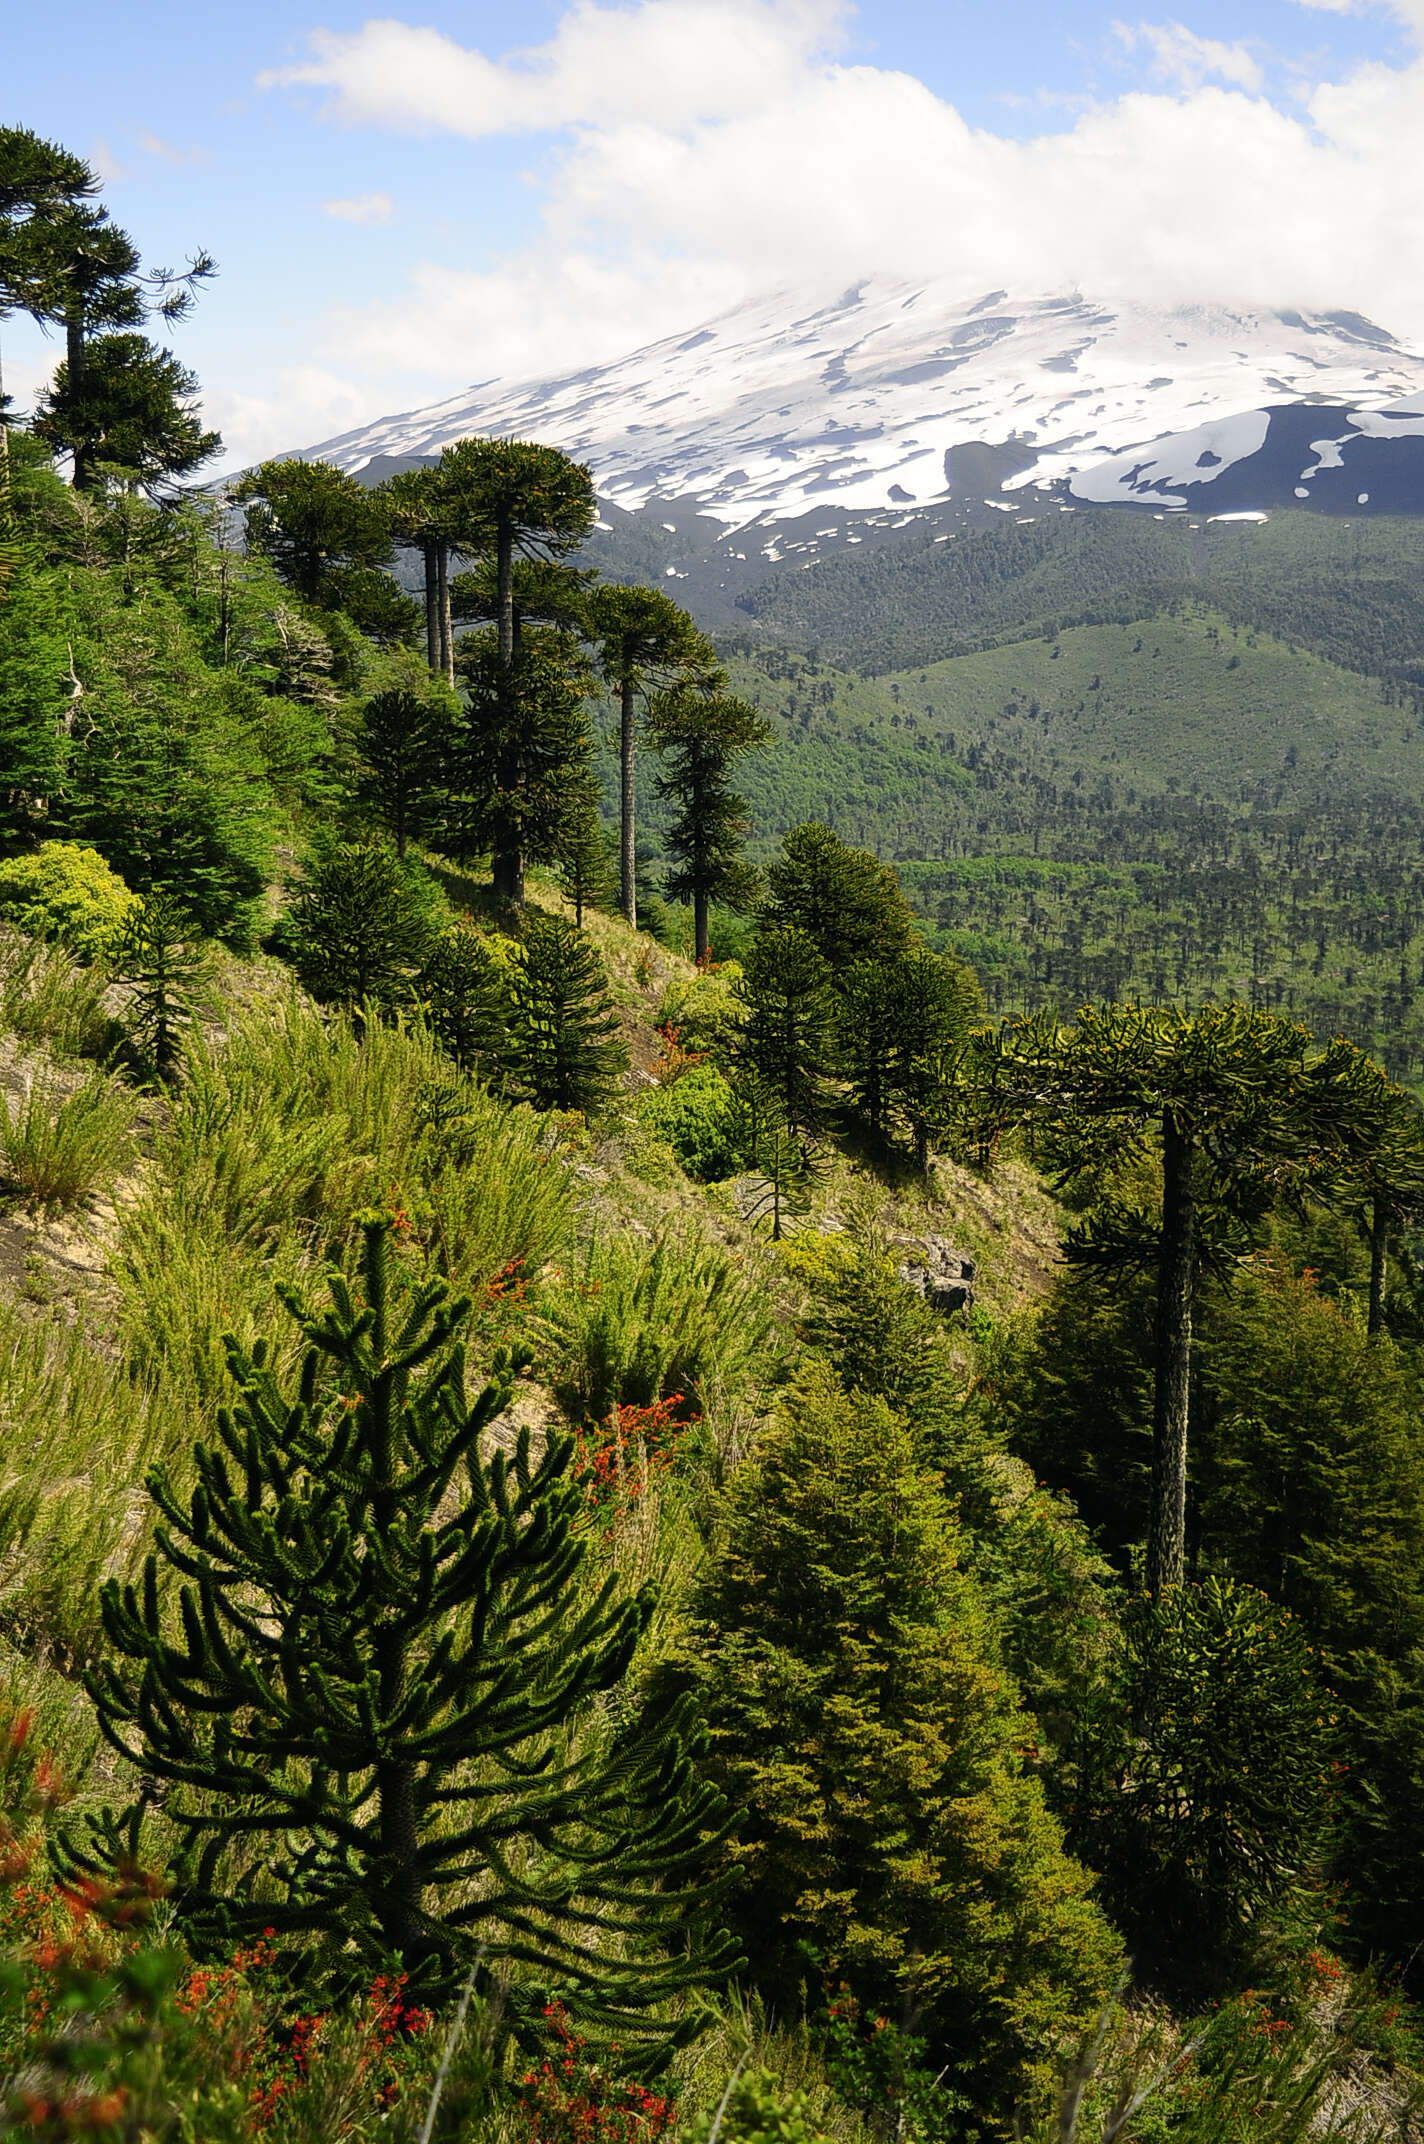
699, 736
933, 999
581, 851
63, 261
402, 750
783, 1159
846, 901
1238, 1108
163, 956
518, 753
466, 994
570, 1052
355, 935
787, 1021
419, 521
372, 1681
134, 413
322, 530
645, 640
38, 179
35, 699
508, 497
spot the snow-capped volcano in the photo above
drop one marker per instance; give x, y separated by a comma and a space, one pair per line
898, 398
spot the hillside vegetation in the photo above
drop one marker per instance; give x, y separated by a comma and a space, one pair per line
622, 1518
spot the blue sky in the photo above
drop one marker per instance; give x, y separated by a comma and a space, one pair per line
395, 213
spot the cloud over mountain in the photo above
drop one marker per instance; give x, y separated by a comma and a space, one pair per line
695, 152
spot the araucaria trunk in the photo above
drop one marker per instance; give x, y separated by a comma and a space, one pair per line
434, 654
1379, 1265
1176, 1273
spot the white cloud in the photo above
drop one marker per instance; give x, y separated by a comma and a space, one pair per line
304, 402
665, 61
361, 208
154, 145
709, 149
1180, 58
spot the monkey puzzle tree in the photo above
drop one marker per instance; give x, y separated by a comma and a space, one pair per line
783, 1159
402, 748
518, 753
543, 592
787, 1010
418, 521
847, 902
1239, 1108
699, 735
315, 523
506, 497
644, 641
374, 1696
64, 262
569, 1051
581, 849
37, 179
898, 1020
1387, 1186
135, 411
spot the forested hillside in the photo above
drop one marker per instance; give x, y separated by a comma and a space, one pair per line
623, 1518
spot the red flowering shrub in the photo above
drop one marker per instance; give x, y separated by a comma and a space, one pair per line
617, 1460
571, 2099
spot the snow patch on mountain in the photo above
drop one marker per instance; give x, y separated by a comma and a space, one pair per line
894, 397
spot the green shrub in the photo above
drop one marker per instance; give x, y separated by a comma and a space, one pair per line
45, 997
694, 1117
755, 2110
641, 1325
67, 892
59, 1150
703, 1010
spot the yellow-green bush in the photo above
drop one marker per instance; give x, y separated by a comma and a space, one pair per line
66, 891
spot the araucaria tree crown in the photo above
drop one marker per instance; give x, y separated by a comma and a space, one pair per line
373, 1702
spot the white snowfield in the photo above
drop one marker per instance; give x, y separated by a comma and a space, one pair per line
786, 407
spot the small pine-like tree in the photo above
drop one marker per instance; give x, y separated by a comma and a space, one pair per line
784, 1160
894, 1841
34, 699
846, 901
787, 1015
927, 1004
700, 735
584, 865
374, 1698
134, 410
466, 994
1208, 1798
161, 952
569, 1051
402, 745
518, 754
356, 935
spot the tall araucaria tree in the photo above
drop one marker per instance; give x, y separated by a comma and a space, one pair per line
645, 642
379, 1681
699, 736
38, 179
420, 519
1240, 1109
509, 498
65, 263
